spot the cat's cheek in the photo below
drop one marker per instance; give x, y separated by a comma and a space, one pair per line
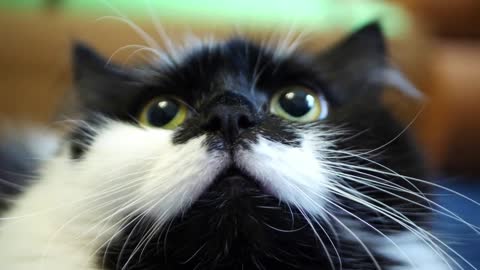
294, 174
148, 172
179, 177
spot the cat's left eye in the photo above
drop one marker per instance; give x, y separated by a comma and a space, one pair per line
299, 104
164, 112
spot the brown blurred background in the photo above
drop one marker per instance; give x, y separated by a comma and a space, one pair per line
440, 52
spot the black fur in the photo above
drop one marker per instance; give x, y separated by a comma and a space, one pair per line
226, 228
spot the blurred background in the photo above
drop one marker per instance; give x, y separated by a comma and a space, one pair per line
435, 42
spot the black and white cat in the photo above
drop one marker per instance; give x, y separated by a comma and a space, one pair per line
233, 156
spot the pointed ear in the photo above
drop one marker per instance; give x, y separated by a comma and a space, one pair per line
366, 45
91, 68
351, 65
99, 85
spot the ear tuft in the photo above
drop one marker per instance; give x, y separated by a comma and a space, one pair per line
82, 53
369, 37
356, 60
86, 62
367, 43
99, 84
90, 68
366, 46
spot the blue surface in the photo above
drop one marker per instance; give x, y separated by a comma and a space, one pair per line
459, 236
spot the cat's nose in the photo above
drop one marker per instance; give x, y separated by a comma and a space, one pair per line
230, 121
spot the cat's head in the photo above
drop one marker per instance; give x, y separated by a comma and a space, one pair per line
238, 156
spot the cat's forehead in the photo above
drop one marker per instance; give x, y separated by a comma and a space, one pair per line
235, 53
237, 64
349, 69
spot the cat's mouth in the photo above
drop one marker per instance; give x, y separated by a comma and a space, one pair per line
234, 182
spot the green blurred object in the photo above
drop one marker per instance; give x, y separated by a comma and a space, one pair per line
316, 15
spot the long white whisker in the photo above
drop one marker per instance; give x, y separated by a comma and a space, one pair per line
429, 237
171, 47
137, 47
448, 213
149, 40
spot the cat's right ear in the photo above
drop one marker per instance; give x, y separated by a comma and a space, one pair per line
100, 85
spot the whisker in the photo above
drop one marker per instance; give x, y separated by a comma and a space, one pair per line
147, 38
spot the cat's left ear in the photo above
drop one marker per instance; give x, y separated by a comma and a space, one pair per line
100, 85
366, 46
358, 65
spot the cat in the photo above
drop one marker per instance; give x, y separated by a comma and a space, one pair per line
233, 155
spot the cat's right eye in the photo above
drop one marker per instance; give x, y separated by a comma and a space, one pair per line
163, 112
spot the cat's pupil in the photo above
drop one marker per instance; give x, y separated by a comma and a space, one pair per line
297, 103
162, 112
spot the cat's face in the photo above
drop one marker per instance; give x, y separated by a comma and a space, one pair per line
239, 157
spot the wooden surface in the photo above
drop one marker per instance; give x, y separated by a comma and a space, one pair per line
455, 117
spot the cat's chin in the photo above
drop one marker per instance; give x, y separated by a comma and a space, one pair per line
233, 223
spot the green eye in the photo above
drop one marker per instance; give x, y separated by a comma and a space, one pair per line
163, 112
299, 104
